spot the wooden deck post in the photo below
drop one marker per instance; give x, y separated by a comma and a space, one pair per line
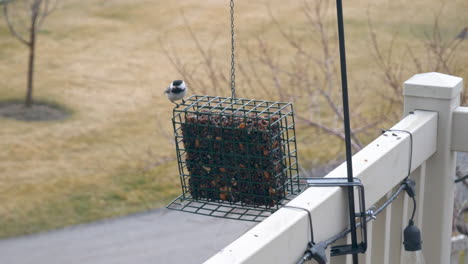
440, 93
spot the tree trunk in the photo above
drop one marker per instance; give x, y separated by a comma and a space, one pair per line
32, 46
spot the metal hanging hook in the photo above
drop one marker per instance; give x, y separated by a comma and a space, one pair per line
233, 61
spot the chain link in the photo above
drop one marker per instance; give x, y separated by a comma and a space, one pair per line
233, 61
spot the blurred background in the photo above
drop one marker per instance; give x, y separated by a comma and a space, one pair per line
97, 141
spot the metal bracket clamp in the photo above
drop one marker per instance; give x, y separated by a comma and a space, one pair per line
361, 247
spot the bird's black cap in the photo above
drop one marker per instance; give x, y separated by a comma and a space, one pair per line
177, 82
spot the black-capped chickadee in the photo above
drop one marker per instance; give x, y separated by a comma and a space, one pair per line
176, 91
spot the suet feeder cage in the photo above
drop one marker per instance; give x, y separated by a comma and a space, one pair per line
237, 158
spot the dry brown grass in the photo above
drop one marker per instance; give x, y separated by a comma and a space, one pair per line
103, 60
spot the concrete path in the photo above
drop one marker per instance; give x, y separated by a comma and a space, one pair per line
160, 236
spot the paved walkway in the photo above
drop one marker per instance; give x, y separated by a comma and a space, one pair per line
161, 236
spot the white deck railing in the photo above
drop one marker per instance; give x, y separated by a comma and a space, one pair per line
459, 249
431, 104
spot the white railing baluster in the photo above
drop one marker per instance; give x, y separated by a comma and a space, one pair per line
396, 233
420, 190
460, 129
404, 221
340, 259
328, 251
418, 176
349, 259
459, 244
378, 236
346, 259
368, 255
387, 233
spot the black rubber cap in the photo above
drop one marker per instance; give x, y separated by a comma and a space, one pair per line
412, 237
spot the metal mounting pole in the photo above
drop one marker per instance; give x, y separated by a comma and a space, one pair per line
344, 84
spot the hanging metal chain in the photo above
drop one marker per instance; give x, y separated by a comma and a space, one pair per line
233, 61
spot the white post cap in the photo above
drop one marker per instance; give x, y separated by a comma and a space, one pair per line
433, 85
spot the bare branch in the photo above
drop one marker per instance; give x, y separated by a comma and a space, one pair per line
290, 38
46, 10
181, 68
254, 71
206, 55
391, 71
11, 27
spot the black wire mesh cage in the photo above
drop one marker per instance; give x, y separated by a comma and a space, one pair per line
237, 157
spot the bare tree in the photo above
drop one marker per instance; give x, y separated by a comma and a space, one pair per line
34, 13
191, 71
310, 78
434, 53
